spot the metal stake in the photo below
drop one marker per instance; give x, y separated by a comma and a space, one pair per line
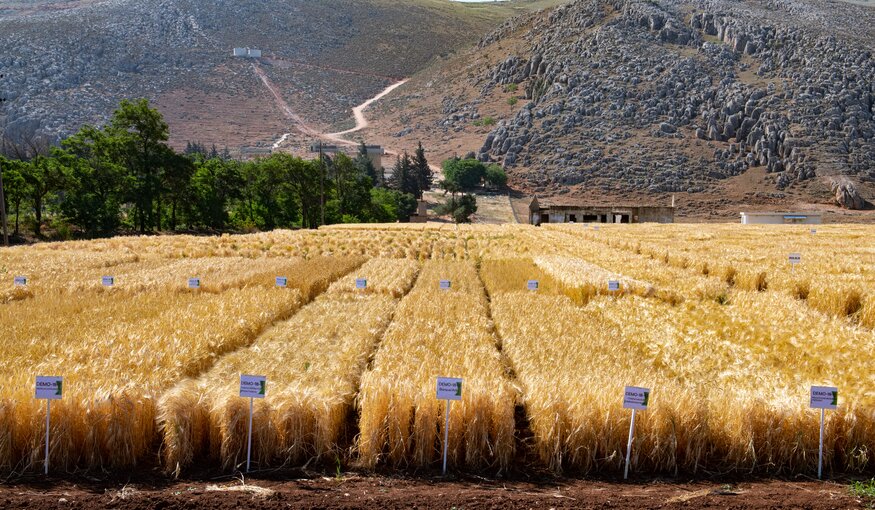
629, 445
446, 436
48, 421
820, 454
249, 445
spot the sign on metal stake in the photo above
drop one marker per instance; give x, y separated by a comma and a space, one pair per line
282, 281
823, 398
449, 389
252, 387
636, 399
532, 285
446, 284
361, 283
48, 389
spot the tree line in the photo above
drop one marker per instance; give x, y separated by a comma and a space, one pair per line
125, 177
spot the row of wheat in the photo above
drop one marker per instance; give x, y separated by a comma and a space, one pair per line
119, 353
730, 382
836, 276
438, 333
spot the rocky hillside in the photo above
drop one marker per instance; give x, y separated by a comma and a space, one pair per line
68, 62
761, 102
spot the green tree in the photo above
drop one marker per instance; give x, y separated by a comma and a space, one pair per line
214, 184
422, 170
139, 133
403, 176
15, 188
43, 175
495, 176
388, 206
352, 189
94, 183
365, 165
466, 173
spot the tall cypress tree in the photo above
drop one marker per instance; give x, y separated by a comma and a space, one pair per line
424, 175
365, 165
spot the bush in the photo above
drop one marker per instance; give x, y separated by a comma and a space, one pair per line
466, 173
511, 101
459, 208
495, 176
510, 87
485, 121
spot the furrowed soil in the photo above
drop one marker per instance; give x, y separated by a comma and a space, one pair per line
352, 491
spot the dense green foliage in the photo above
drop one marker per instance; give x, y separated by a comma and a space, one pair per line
469, 173
124, 176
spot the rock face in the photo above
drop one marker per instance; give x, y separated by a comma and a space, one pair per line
847, 196
667, 96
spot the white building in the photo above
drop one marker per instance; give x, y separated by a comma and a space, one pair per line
781, 218
247, 52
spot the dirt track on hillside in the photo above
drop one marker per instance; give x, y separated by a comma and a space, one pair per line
352, 491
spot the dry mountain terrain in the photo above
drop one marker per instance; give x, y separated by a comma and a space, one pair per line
728, 105
70, 62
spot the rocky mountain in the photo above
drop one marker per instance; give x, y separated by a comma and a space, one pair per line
70, 62
761, 102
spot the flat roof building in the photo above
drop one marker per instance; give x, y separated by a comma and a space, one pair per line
544, 212
781, 218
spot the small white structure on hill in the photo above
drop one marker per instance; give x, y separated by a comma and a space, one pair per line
247, 52
781, 218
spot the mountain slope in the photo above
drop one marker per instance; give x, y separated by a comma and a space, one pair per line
70, 62
727, 104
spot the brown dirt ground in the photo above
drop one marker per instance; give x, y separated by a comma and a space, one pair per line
352, 491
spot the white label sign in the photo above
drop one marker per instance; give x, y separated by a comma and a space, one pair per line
49, 388
795, 258
532, 285
595, 227
253, 386
449, 388
445, 284
282, 281
613, 285
814, 231
108, 281
19, 281
636, 398
194, 283
824, 397
361, 283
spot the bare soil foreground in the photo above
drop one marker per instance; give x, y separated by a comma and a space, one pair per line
351, 491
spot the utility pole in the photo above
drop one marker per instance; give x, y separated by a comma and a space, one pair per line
321, 183
3, 198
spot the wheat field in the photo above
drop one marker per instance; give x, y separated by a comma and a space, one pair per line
713, 318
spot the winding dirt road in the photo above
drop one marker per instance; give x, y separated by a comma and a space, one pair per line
358, 112
361, 122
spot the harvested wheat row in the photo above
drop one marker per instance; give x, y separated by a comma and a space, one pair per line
313, 363
438, 333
